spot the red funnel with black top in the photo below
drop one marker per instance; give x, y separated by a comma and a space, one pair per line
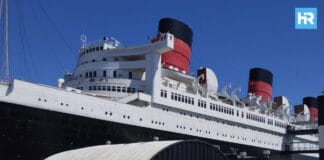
260, 83
179, 58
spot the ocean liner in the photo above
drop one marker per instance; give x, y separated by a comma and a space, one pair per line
130, 94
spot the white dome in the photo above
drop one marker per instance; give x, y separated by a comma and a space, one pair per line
212, 82
208, 79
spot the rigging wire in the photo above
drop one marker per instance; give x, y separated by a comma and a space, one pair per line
56, 28
25, 44
7, 42
1, 40
0, 10
43, 27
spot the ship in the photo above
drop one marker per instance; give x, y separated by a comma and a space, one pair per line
119, 94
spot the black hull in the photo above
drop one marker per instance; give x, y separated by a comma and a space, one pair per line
32, 134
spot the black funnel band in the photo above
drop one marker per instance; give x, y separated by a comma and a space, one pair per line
177, 28
310, 101
259, 74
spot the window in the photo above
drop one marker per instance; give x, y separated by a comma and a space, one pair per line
99, 88
104, 59
115, 74
128, 89
108, 88
90, 74
87, 75
90, 88
163, 93
130, 75
94, 87
104, 74
124, 89
113, 88
94, 73
118, 89
104, 88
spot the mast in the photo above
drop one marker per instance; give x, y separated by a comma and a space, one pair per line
7, 42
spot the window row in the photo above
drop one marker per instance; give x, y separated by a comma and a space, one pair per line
255, 118
93, 74
270, 121
163, 93
202, 103
182, 98
90, 74
158, 122
113, 89
220, 108
280, 124
92, 49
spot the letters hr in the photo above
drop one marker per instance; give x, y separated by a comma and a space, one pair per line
308, 16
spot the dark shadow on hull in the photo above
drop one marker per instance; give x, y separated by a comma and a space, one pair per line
32, 134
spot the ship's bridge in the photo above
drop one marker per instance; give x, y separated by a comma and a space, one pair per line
105, 68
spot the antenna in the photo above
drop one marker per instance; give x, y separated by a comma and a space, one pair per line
7, 42
83, 39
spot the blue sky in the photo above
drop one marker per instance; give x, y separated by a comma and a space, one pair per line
230, 37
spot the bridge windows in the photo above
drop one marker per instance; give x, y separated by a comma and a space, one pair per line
112, 88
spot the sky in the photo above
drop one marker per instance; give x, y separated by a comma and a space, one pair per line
230, 37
